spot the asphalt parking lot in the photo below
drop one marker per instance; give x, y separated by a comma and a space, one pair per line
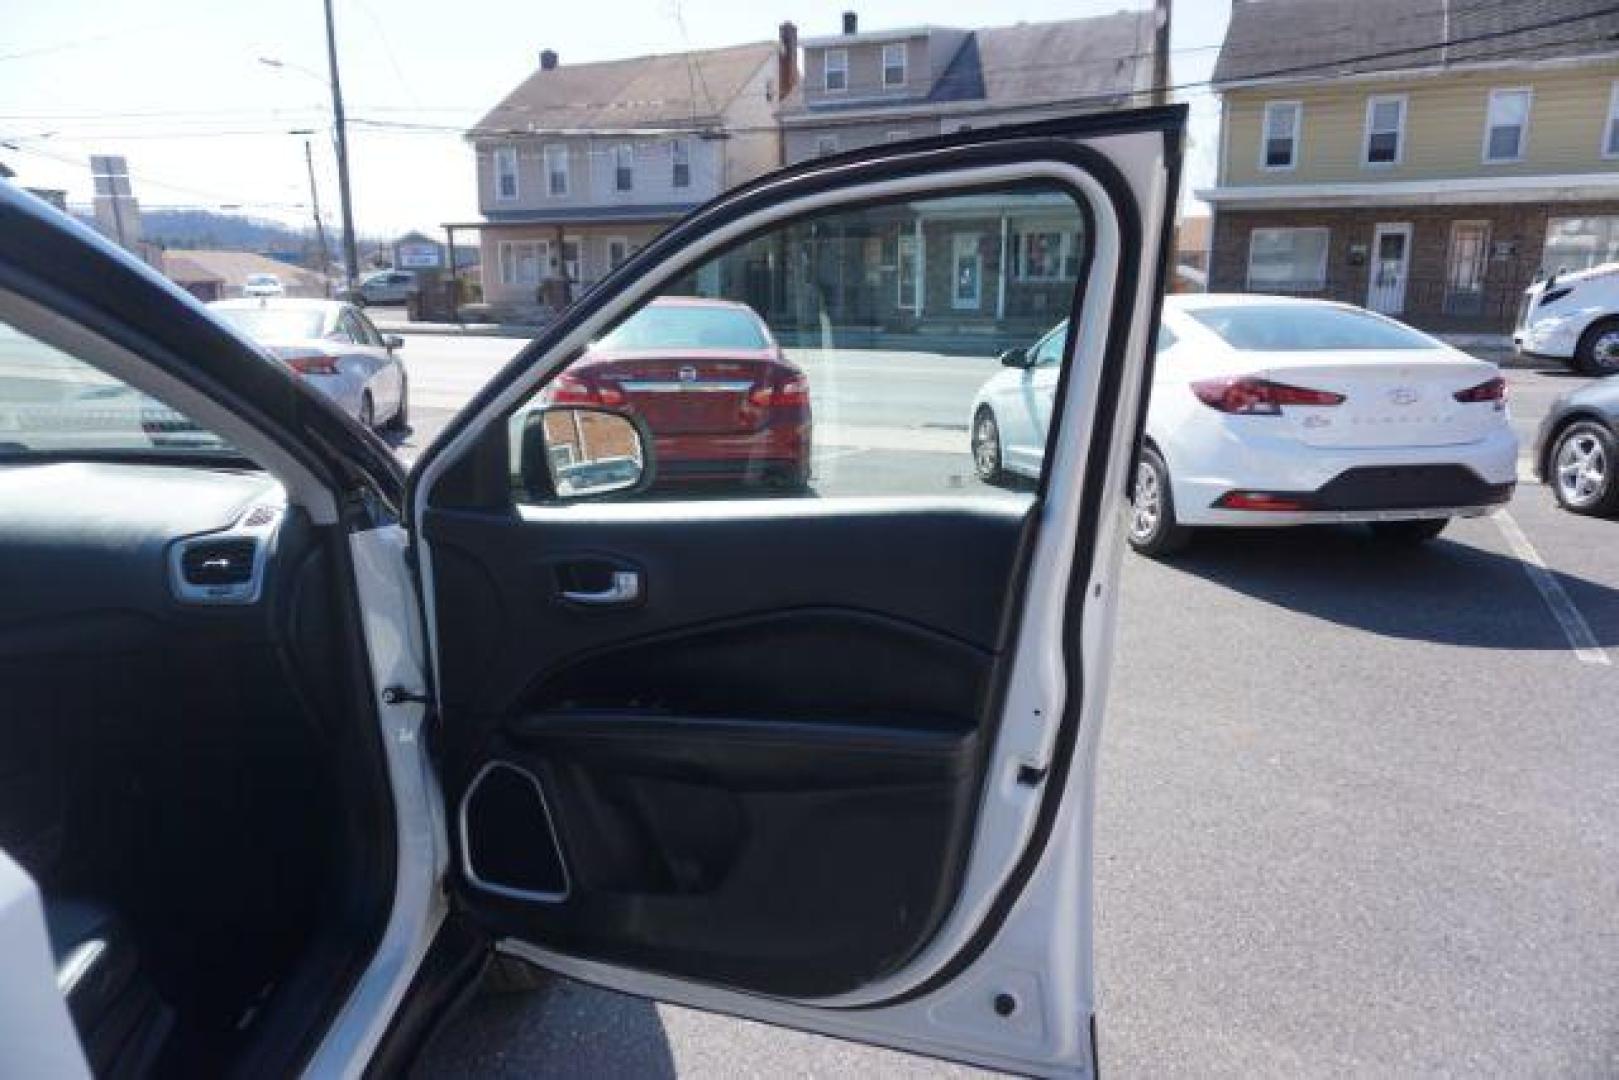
1359, 806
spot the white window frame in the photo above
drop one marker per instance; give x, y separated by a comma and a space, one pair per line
913, 302
509, 249
679, 154
1528, 93
1609, 147
624, 243
1293, 135
508, 153
623, 162
842, 67
903, 65
958, 242
1372, 102
551, 154
1326, 252
826, 145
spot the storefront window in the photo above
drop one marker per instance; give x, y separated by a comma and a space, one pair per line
1578, 243
1287, 260
1040, 256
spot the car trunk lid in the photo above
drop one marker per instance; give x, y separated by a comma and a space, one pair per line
692, 394
1389, 400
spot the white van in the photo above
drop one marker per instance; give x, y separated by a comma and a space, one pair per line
1573, 318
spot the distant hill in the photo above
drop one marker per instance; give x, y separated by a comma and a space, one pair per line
211, 231
231, 232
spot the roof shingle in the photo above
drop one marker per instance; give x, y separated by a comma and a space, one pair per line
1317, 38
690, 88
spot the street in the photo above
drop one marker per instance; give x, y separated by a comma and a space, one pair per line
1359, 806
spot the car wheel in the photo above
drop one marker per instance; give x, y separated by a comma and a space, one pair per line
509, 975
368, 411
1582, 469
1153, 528
1408, 533
400, 420
1598, 350
987, 447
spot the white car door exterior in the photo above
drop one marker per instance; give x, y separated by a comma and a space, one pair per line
1003, 976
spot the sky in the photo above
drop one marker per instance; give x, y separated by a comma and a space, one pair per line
181, 88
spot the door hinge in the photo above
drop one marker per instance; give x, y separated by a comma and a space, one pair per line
398, 695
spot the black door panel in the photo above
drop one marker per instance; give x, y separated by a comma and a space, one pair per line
942, 567
764, 772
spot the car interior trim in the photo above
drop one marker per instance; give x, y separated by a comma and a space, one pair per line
1035, 695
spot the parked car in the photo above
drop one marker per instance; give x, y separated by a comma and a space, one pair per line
723, 402
1270, 410
386, 287
336, 350
297, 739
1573, 318
263, 285
1577, 448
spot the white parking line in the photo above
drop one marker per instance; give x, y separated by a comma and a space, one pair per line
1575, 628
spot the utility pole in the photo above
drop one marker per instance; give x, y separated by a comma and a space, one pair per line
320, 226
1160, 52
350, 255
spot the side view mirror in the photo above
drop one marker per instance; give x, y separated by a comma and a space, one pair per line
1018, 358
573, 452
393, 342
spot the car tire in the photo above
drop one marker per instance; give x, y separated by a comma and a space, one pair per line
988, 461
1598, 350
1580, 469
368, 412
1154, 530
400, 421
509, 975
1408, 533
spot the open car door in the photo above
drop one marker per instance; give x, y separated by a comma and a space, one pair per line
753, 694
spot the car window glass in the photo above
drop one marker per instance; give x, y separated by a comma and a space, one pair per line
54, 403
348, 329
1166, 339
1306, 327
269, 324
369, 334
844, 353
1050, 350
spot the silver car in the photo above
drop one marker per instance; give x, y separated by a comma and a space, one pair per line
335, 348
386, 287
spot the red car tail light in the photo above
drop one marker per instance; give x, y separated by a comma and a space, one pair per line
1257, 500
1258, 397
314, 365
1490, 390
788, 393
568, 389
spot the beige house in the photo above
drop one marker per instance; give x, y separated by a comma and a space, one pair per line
1425, 158
581, 165
867, 87
220, 275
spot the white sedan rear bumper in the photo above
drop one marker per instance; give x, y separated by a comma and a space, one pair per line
1343, 485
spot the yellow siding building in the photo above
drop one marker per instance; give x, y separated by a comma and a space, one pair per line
1427, 158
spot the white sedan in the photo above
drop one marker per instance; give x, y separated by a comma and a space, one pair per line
1279, 411
335, 348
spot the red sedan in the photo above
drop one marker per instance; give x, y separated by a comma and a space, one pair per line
722, 401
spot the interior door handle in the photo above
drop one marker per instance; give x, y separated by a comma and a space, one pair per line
625, 589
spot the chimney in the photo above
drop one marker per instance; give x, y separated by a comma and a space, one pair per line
787, 61
851, 22
548, 60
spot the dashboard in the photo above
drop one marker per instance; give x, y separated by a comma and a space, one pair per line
93, 551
